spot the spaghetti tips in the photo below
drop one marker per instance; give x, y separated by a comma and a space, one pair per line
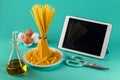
43, 55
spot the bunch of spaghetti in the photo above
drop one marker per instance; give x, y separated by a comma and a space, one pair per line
42, 55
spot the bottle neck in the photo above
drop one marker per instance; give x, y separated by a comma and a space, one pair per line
14, 40
14, 45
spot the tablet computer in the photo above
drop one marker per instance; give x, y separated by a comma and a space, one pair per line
84, 36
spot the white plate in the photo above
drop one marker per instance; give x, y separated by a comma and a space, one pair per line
55, 64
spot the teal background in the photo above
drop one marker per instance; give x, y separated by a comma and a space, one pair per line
15, 15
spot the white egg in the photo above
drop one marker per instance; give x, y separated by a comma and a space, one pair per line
35, 37
20, 36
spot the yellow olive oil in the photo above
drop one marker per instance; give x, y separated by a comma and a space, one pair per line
16, 67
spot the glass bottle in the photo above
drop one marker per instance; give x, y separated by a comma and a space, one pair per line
16, 64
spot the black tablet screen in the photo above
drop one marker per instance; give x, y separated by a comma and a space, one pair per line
84, 36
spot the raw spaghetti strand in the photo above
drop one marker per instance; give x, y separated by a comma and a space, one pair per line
42, 55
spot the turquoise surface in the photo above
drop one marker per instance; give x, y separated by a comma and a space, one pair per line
15, 16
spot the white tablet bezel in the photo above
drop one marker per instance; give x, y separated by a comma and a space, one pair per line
105, 43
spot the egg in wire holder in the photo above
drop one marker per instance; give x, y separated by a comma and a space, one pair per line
29, 41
